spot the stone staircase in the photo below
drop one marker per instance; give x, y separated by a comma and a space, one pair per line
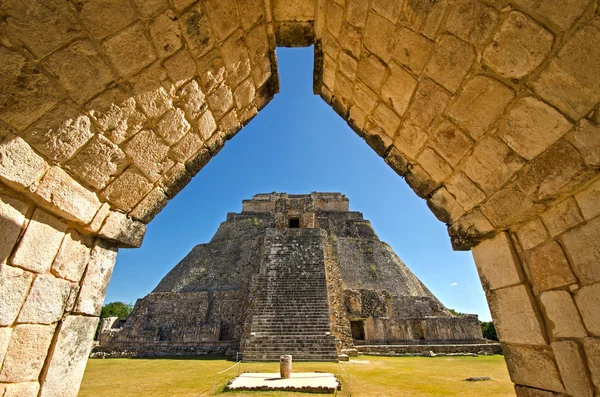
290, 307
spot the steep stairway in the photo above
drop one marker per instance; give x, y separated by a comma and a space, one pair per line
290, 307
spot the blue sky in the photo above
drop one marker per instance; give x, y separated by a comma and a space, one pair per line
298, 144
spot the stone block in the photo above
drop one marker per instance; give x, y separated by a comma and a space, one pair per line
192, 99
67, 196
398, 89
41, 25
95, 280
129, 50
20, 166
356, 118
173, 126
469, 230
220, 100
586, 138
377, 35
128, 189
150, 206
412, 49
14, 285
26, 352
105, 17
40, 243
182, 4
420, 181
165, 33
388, 9
347, 65
434, 164
148, 152
515, 316
177, 177
532, 366
531, 126
127, 232
230, 124
479, 103
444, 206
351, 40
67, 364
356, 12
335, 19
186, 147
59, 133
206, 125
549, 268
150, 7
509, 206
467, 194
386, 119
244, 94
497, 264
96, 223
224, 18
46, 300
395, 160
532, 234
450, 62
372, 72
450, 142
303, 10
519, 46
569, 82
4, 340
72, 257
589, 200
197, 32
98, 162
153, 92
552, 172
424, 16
22, 389
583, 247
181, 67
236, 58
472, 21
491, 164
592, 351
364, 97
588, 300
251, 12
410, 139
573, 371
562, 216
12, 216
560, 13
563, 319
429, 101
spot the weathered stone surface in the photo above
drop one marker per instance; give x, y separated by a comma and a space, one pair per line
67, 196
425, 16
186, 147
450, 62
568, 82
206, 125
356, 12
385, 118
428, 103
444, 206
14, 285
588, 300
491, 164
479, 103
466, 192
515, 316
230, 124
129, 50
335, 18
20, 166
244, 93
396, 161
519, 46
40, 243
533, 367
378, 33
303, 10
472, 21
72, 257
236, 58
571, 363
181, 67
197, 31
469, 230
531, 126
251, 11
150, 206
46, 300
26, 352
420, 181
127, 232
523, 391
41, 25
586, 138
592, 351
364, 97
98, 162
178, 176
532, 234
128, 189
583, 247
67, 364
347, 65
552, 172
509, 206
220, 100
562, 316
560, 13
80, 69
96, 223
224, 17
398, 89
12, 216
372, 72
150, 7
173, 126
549, 268
497, 263
105, 17
22, 389
153, 91
588, 200
411, 49
165, 33
562, 216
434, 164
4, 340
450, 142
148, 152
95, 280
194, 100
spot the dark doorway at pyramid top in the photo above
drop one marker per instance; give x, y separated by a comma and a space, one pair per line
292, 274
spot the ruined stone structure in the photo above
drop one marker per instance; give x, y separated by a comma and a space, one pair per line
488, 108
291, 274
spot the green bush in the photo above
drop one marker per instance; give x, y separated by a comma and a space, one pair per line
116, 309
488, 330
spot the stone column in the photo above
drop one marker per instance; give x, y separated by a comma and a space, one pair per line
285, 367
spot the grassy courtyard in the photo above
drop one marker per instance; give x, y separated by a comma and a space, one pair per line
369, 377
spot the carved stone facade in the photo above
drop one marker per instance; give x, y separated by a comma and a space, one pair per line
488, 108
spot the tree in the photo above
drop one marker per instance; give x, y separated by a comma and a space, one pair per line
488, 330
116, 309
455, 313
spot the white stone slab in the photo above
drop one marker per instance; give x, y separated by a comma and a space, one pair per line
309, 382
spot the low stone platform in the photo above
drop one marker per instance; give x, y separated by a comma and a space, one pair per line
305, 382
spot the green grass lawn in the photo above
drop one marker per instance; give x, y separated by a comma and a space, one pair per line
369, 377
